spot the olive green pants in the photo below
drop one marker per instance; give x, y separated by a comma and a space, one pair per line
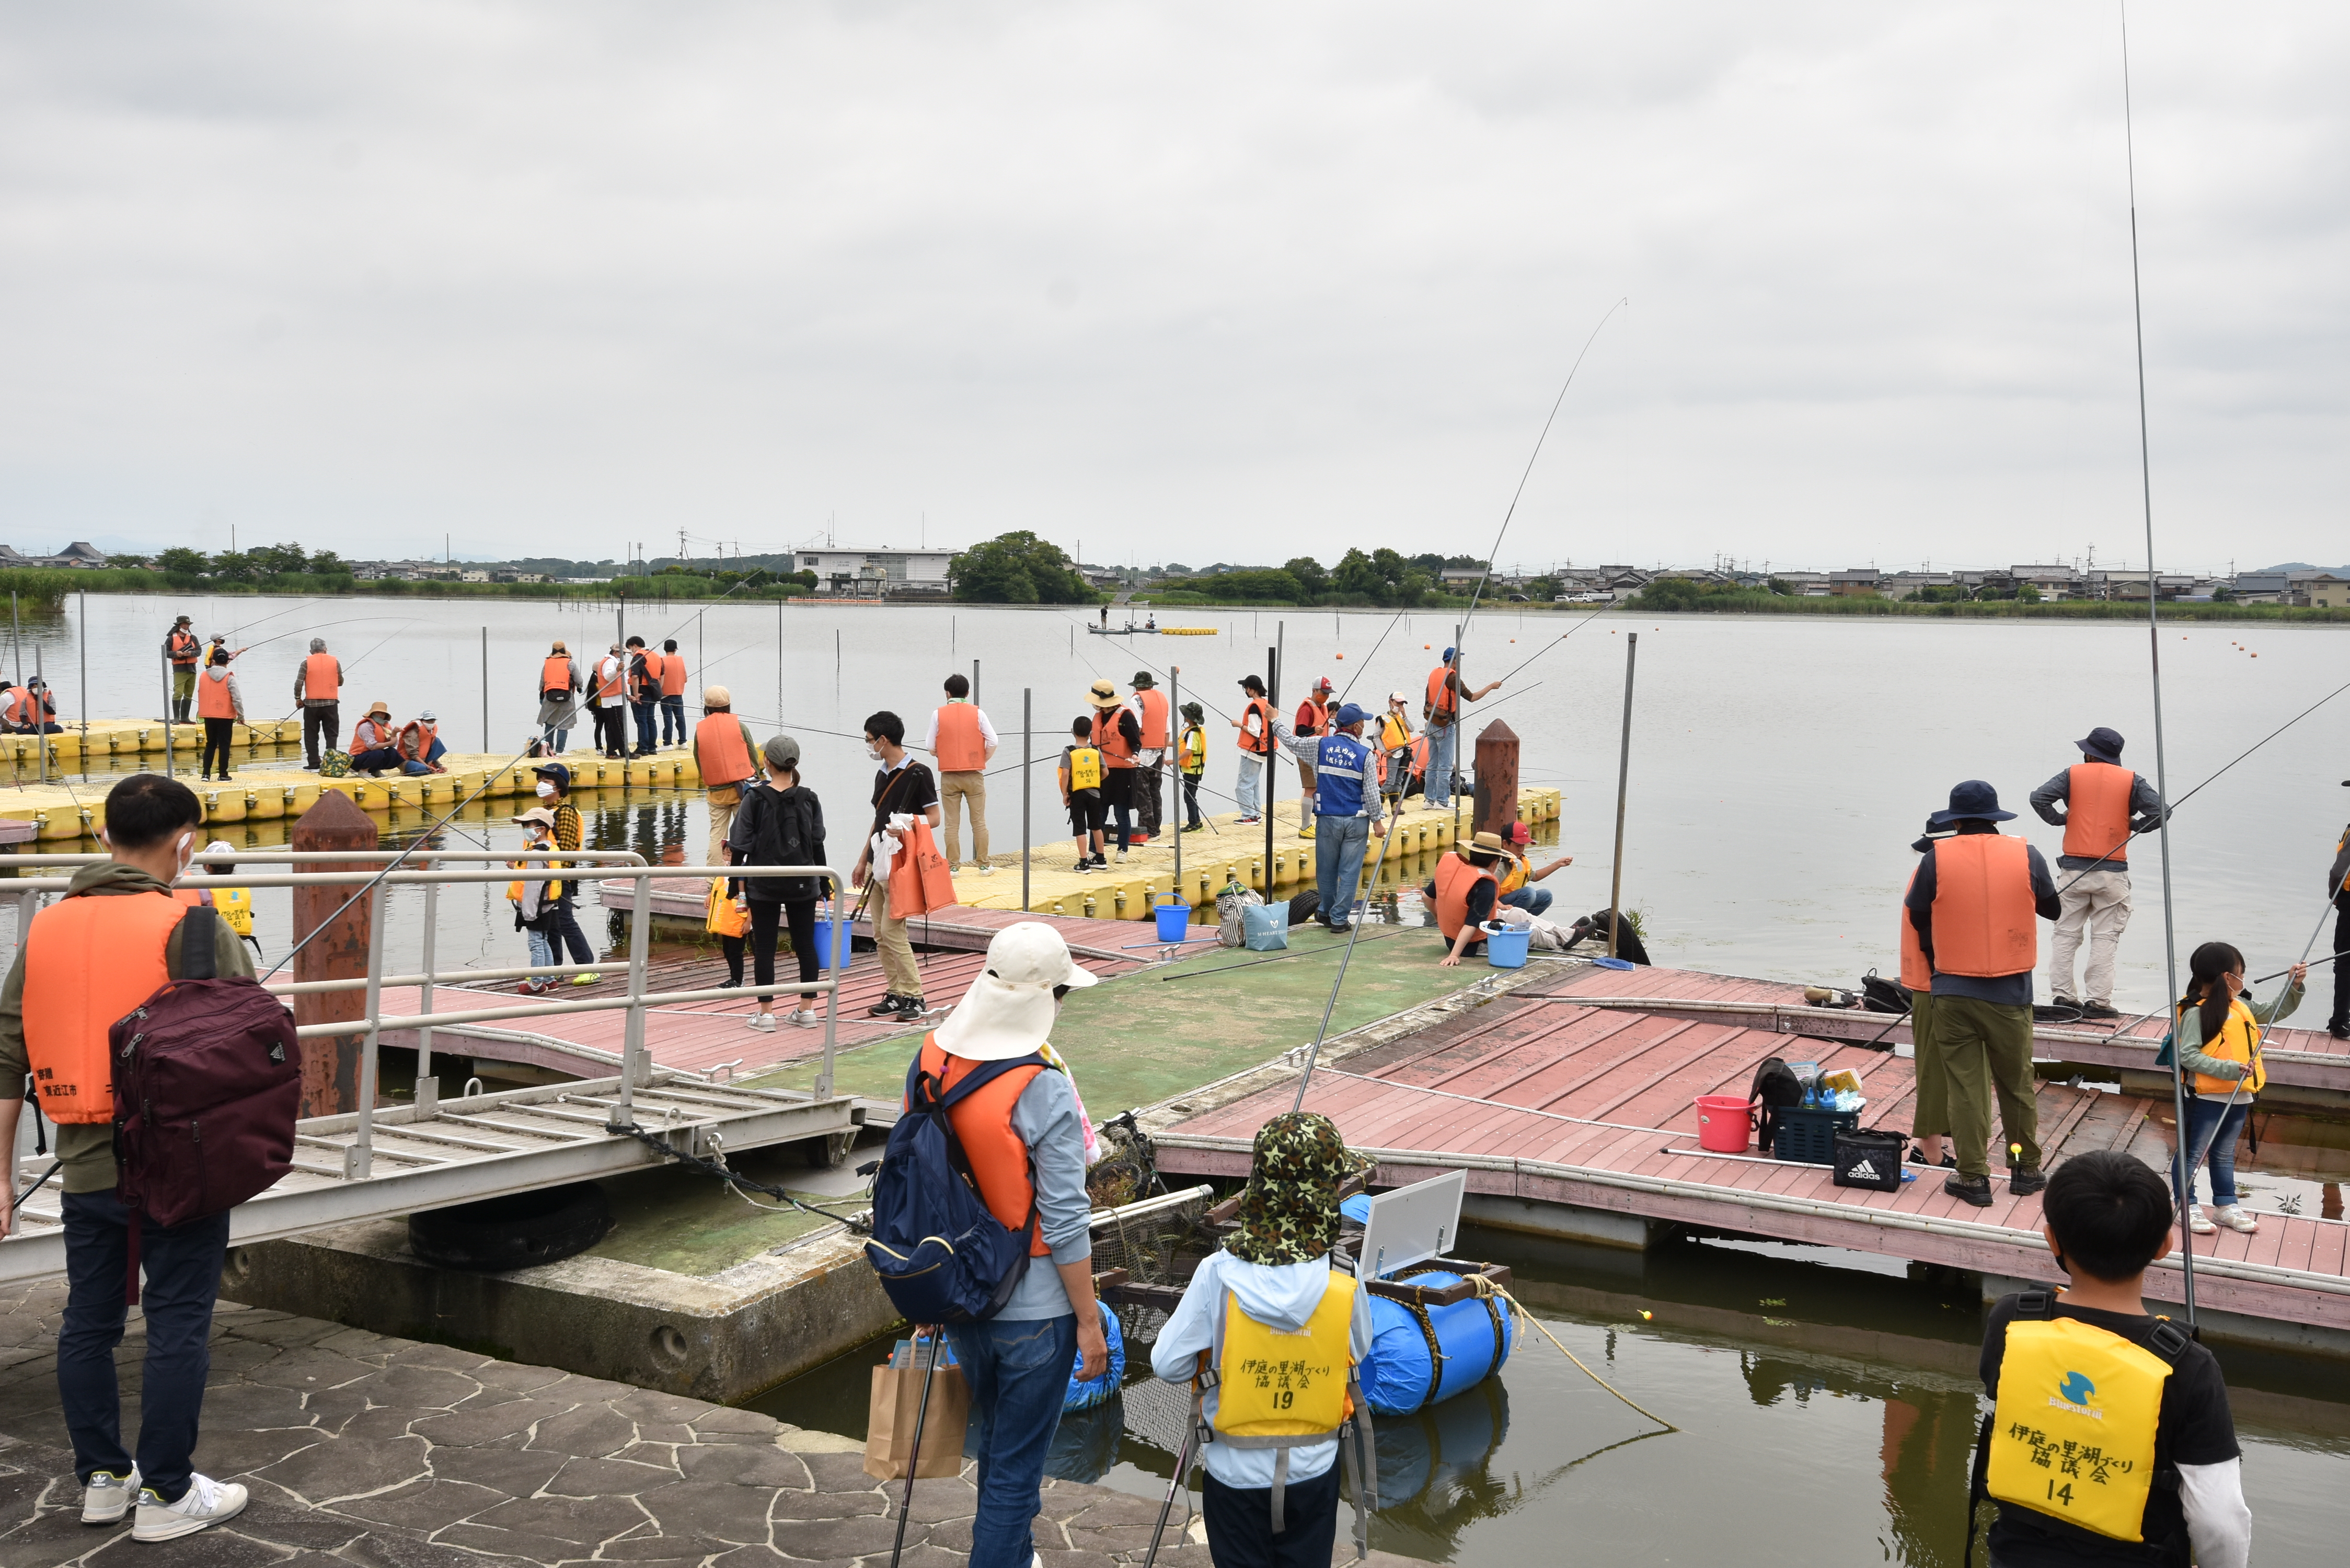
1986, 1050
1931, 1119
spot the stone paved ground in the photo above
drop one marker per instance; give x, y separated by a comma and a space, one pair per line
387, 1453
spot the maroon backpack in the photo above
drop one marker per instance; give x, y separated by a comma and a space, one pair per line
207, 1082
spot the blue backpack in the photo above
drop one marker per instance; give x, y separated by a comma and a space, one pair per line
943, 1256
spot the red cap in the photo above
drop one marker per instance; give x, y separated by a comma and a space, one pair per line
1323, 685
1520, 834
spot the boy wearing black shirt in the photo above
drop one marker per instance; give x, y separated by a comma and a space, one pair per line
2107, 1218
903, 787
1086, 811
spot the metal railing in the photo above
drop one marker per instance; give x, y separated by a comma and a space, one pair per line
636, 1063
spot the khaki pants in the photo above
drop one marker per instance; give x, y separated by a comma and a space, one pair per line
898, 966
969, 788
1986, 1050
1931, 1117
2096, 902
723, 803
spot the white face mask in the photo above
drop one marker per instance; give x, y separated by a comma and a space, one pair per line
874, 753
184, 854
546, 790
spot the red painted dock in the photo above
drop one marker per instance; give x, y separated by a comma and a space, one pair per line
1543, 1097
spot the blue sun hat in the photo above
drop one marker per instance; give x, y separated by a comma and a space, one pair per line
1974, 801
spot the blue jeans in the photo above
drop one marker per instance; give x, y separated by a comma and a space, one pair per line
1019, 1375
2206, 1123
556, 739
439, 749
1441, 743
1245, 789
182, 1265
672, 717
1532, 899
1339, 844
648, 726
542, 948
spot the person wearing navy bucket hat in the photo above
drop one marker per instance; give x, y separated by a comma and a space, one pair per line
1346, 808
2104, 803
1972, 904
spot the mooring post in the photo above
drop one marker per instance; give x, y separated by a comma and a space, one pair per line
1497, 779
358, 1157
168, 770
485, 692
330, 1064
1622, 776
1027, 744
975, 683
1273, 746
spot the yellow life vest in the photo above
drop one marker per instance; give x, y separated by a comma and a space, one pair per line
723, 918
2071, 1434
1085, 767
1281, 1391
1195, 750
1394, 734
2239, 1041
236, 907
1513, 878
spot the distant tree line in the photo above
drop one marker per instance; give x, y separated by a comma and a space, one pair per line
1383, 577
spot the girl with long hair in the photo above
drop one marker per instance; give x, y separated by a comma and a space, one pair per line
2218, 1036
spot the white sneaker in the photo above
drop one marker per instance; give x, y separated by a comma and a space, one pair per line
105, 1496
206, 1503
765, 1023
2233, 1215
2197, 1223
987, 870
808, 1018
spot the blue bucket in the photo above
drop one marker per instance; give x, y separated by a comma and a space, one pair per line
1174, 922
839, 958
1506, 948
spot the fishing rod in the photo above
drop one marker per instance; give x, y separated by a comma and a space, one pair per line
2153, 640
1545, 648
1364, 668
1354, 931
354, 663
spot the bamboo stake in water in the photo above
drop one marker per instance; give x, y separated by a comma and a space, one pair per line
82, 635
168, 770
485, 688
1623, 777
1027, 740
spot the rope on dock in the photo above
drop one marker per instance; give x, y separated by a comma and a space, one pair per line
1482, 1285
726, 1173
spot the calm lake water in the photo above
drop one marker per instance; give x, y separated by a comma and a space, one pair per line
1780, 767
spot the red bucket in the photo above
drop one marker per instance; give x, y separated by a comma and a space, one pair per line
1723, 1124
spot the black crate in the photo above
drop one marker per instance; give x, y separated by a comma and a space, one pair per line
1808, 1133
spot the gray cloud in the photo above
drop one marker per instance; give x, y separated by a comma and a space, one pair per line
1199, 282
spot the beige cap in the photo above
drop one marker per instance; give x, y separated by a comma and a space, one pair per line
717, 697
1008, 1011
539, 814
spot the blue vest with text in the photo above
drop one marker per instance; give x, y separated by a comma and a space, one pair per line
1339, 776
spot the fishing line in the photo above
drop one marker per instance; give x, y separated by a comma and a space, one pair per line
1363, 669
1483, 1284
1545, 648
1353, 930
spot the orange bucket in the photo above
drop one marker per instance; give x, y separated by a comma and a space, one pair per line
1723, 1124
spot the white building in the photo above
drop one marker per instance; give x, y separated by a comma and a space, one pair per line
869, 572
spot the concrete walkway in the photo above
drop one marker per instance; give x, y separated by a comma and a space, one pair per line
387, 1453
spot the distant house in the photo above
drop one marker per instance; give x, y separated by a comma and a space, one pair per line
1855, 583
2053, 582
80, 555
1901, 585
473, 575
2260, 588
2327, 591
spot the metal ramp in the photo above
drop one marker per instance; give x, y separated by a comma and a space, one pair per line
385, 1160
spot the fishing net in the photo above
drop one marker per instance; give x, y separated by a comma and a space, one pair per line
1157, 1242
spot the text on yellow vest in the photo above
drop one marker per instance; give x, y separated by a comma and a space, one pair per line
2071, 1434
1275, 1384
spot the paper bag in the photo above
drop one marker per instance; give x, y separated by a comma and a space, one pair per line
889, 1422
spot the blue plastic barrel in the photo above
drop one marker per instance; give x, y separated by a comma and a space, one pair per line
1506, 948
1400, 1375
1086, 1396
1174, 922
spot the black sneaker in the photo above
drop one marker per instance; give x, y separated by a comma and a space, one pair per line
1083, 865
910, 1010
2026, 1180
2062, 1002
1101, 862
1974, 1190
2099, 1010
885, 1008
2339, 1031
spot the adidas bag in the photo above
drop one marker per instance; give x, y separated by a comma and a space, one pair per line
1869, 1157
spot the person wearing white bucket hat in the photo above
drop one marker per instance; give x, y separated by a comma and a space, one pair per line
1025, 1134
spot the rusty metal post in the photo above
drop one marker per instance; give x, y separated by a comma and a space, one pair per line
1497, 779
330, 1064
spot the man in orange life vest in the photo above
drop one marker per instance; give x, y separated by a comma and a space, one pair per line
1446, 693
723, 750
1024, 1135
964, 743
185, 651
318, 690
645, 695
1972, 903
1149, 706
903, 787
672, 694
112, 943
2104, 803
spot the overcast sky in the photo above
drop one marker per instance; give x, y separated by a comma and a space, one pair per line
1192, 282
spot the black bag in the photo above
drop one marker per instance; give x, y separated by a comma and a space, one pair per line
1881, 995
1775, 1087
1870, 1158
785, 829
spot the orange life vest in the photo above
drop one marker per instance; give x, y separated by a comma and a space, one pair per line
322, 679
185, 649
1110, 736
919, 879
1916, 973
1454, 879
555, 675
88, 962
607, 686
1260, 743
416, 738
213, 698
962, 748
982, 1125
1153, 719
672, 674
646, 678
370, 734
2097, 811
719, 751
1443, 702
1313, 718
19, 709
1983, 915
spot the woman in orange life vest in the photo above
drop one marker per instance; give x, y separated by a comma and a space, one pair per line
2219, 1042
1313, 719
1255, 746
420, 744
372, 747
1268, 1503
1120, 735
1464, 890
220, 704
1029, 1120
32, 710
558, 697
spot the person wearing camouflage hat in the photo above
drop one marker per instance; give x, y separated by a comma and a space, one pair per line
1268, 1505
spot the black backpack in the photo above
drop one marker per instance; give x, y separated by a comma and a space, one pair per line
1880, 994
785, 830
1776, 1088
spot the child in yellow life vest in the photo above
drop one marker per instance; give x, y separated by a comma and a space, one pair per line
235, 904
2216, 1033
1269, 1333
536, 915
2110, 1439
1395, 748
1081, 792
1192, 753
